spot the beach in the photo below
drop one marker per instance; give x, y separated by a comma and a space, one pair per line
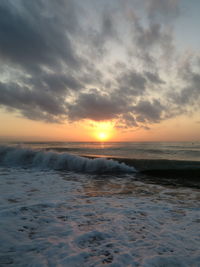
62, 217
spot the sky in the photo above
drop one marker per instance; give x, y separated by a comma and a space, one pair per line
109, 70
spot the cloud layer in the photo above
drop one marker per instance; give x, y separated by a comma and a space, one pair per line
73, 60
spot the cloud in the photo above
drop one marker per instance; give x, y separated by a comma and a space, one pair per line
126, 121
132, 82
189, 94
153, 39
29, 36
95, 106
154, 78
41, 103
149, 111
167, 8
53, 53
56, 83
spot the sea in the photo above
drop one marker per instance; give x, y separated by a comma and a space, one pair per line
90, 204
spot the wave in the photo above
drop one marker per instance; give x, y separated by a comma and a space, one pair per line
160, 164
17, 156
163, 168
30, 158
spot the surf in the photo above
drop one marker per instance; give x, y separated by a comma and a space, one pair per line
30, 158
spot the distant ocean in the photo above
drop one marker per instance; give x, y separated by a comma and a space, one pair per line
175, 160
100, 204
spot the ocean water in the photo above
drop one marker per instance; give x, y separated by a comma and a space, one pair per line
100, 204
189, 151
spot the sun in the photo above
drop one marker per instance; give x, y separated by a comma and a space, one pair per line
102, 136
101, 131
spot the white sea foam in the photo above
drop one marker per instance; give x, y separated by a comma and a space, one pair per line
23, 157
68, 219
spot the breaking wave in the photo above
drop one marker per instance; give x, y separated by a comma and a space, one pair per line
29, 158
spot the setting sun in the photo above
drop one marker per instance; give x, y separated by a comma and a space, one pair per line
102, 136
103, 131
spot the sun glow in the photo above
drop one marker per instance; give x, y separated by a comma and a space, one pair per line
102, 136
102, 131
